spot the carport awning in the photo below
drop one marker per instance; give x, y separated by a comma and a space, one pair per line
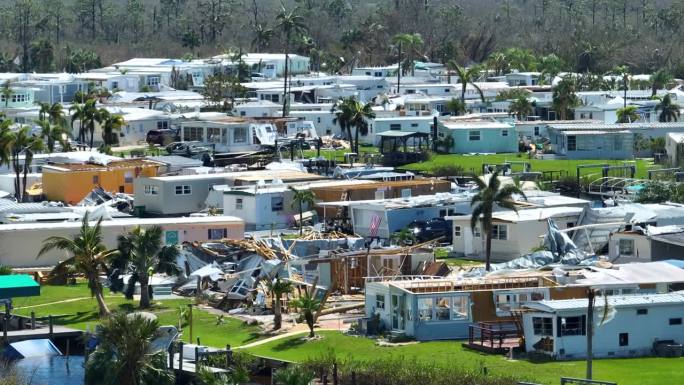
20, 285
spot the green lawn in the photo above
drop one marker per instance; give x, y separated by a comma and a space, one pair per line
473, 163
637, 371
339, 154
83, 313
459, 262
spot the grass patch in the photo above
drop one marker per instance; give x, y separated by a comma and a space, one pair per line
338, 155
473, 163
83, 313
635, 371
459, 262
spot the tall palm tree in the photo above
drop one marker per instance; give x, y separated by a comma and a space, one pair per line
564, 97
659, 80
277, 287
520, 107
92, 116
141, 253
498, 62
411, 42
466, 76
302, 197
23, 143
349, 113
110, 124
125, 354
78, 114
491, 194
627, 114
669, 111
56, 115
623, 72
456, 107
51, 134
308, 304
6, 92
89, 256
291, 24
6, 139
43, 110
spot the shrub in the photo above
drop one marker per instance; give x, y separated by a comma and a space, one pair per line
448, 170
5, 270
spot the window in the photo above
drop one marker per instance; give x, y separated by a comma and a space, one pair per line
214, 134
543, 326
395, 127
572, 143
410, 91
151, 190
504, 132
380, 301
460, 308
240, 135
243, 113
425, 309
276, 203
447, 90
500, 232
474, 135
153, 81
183, 190
318, 119
536, 131
457, 231
162, 124
572, 326
376, 74
507, 301
128, 177
443, 308
477, 232
642, 311
626, 246
675, 321
624, 339
217, 233
193, 133
414, 124
115, 85
96, 179
238, 204
406, 193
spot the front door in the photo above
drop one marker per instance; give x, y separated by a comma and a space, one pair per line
398, 312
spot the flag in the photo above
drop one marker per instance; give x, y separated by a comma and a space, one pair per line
375, 225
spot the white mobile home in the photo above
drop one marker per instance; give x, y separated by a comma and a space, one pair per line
22, 242
262, 207
513, 234
559, 327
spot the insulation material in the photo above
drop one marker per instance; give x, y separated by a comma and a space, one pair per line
641, 273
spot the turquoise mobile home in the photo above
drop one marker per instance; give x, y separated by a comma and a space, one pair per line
479, 135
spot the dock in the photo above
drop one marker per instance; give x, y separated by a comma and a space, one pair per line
43, 332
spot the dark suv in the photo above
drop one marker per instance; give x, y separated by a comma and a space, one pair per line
431, 229
162, 137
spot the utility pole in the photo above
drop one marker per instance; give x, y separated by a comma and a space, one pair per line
590, 331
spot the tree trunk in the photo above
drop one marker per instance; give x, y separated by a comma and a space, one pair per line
309, 317
287, 62
301, 214
399, 72
99, 296
277, 314
488, 247
590, 333
356, 140
144, 290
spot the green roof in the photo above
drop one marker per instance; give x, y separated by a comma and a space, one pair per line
19, 285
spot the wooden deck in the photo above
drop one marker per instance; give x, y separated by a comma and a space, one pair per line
43, 332
492, 338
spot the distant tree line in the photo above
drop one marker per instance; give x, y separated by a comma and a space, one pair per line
590, 36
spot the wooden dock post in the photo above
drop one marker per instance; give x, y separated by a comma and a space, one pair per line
171, 356
33, 320
50, 324
190, 321
228, 356
197, 359
180, 358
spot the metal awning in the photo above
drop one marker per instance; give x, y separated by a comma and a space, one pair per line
19, 285
396, 134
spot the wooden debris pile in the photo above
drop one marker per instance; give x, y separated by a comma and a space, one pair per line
259, 247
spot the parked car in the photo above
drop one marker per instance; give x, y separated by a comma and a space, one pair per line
432, 229
162, 137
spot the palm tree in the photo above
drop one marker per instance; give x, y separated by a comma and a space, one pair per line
466, 76
404, 237
549, 65
623, 72
262, 36
277, 287
6, 92
564, 97
6, 138
51, 134
21, 142
78, 114
669, 111
43, 110
456, 107
498, 62
489, 195
293, 375
520, 107
291, 24
141, 253
91, 116
411, 42
56, 115
351, 113
659, 80
302, 197
309, 305
110, 123
88, 256
125, 353
627, 114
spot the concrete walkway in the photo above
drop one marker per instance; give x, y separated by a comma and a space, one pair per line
300, 329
